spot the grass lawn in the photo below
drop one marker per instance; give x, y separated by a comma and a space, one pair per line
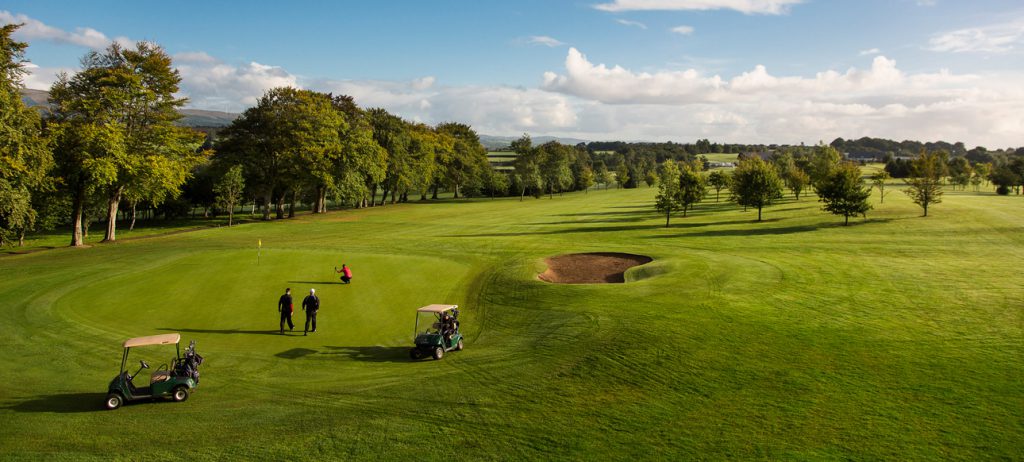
897, 337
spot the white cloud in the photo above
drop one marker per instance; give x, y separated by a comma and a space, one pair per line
871, 51
544, 40
743, 6
926, 2
34, 29
212, 84
490, 109
42, 78
194, 57
626, 22
757, 106
682, 30
995, 38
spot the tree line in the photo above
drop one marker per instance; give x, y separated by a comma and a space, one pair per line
110, 145
758, 182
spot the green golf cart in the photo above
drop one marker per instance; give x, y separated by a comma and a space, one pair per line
175, 379
440, 334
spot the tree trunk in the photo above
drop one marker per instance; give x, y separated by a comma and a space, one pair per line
521, 196
373, 196
759, 214
112, 203
456, 191
394, 194
21, 237
266, 206
847, 221
279, 207
434, 196
231, 212
76, 217
668, 213
131, 225
291, 207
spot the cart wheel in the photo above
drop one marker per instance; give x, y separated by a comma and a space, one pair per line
438, 353
415, 353
114, 401
458, 346
180, 393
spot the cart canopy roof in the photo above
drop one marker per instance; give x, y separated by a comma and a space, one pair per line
437, 308
164, 339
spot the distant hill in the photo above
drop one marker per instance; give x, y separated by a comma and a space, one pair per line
192, 117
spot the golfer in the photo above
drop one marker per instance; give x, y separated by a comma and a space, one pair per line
346, 277
285, 307
310, 304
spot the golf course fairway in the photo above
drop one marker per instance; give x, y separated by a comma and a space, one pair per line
897, 337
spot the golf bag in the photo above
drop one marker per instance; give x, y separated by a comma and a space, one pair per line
188, 365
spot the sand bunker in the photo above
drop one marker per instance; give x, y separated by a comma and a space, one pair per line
591, 268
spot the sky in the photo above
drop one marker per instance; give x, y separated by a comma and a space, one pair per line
732, 71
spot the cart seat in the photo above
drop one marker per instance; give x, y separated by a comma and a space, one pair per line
160, 376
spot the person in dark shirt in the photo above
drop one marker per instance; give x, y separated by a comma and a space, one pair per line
285, 307
310, 304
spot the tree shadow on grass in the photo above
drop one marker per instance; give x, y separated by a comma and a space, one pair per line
374, 354
590, 229
295, 353
63, 403
223, 331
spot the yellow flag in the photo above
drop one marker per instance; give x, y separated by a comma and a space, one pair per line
259, 242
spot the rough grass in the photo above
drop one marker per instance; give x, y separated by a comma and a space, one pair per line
898, 337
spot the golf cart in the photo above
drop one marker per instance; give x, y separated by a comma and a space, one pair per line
440, 334
176, 379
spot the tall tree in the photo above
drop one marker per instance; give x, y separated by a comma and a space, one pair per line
229, 190
25, 160
132, 92
362, 163
527, 167
290, 138
925, 184
392, 134
465, 155
554, 166
718, 180
667, 200
622, 177
755, 184
796, 179
879, 182
692, 185
843, 191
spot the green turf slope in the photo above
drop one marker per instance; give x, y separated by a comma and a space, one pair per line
797, 338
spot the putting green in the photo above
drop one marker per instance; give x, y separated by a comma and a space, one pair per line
795, 338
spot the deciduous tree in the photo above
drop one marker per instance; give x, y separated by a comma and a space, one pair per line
755, 184
692, 185
718, 180
667, 200
843, 192
229, 190
925, 183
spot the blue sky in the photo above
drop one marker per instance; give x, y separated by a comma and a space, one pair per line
784, 71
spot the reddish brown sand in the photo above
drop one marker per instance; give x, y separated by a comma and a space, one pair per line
590, 268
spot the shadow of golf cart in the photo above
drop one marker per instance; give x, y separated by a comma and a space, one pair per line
440, 334
176, 379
